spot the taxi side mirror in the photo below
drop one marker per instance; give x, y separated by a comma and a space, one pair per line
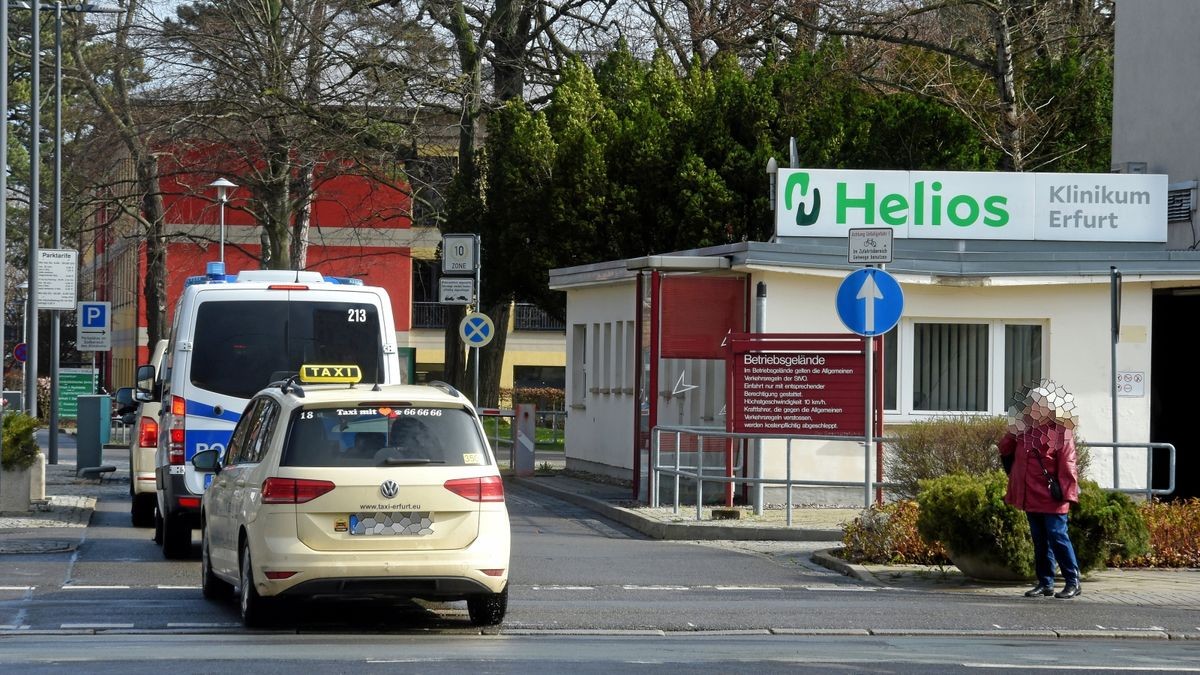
208, 461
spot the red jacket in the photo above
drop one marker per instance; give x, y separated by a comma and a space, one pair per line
1027, 489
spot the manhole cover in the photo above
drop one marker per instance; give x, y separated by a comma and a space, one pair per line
37, 546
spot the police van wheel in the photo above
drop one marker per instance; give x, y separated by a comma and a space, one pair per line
488, 609
158, 526
213, 587
255, 608
176, 539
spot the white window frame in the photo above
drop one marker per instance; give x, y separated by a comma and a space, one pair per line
996, 403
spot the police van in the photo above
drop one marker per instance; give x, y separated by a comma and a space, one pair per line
232, 336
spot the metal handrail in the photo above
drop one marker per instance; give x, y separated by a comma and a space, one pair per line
696, 472
1150, 447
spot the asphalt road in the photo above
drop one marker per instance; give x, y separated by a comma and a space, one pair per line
585, 591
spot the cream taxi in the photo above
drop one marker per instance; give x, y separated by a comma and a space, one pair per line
332, 488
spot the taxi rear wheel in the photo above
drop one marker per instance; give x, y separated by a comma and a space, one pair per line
213, 587
489, 609
255, 608
141, 511
158, 526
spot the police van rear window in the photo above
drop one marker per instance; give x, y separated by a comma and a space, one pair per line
239, 347
384, 436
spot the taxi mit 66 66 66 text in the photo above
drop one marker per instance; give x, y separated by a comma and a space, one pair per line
332, 488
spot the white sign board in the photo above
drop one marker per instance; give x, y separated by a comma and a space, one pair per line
459, 253
1085, 207
1131, 383
870, 245
93, 329
56, 278
456, 290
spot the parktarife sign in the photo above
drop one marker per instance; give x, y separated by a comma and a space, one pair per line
1092, 207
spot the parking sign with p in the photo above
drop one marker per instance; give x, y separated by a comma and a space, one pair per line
93, 329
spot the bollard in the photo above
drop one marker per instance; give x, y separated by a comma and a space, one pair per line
524, 438
95, 413
37, 479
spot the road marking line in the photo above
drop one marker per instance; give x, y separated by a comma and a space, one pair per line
833, 587
564, 588
202, 625
72, 587
634, 587
747, 588
17, 588
66, 626
1060, 666
177, 588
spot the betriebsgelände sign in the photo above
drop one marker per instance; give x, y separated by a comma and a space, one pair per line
966, 205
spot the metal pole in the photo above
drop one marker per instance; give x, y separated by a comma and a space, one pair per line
760, 325
1115, 315
867, 449
479, 305
222, 198
35, 155
55, 318
3, 189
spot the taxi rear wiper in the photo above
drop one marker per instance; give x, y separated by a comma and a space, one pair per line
410, 461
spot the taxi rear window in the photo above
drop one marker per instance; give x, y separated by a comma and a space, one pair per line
384, 436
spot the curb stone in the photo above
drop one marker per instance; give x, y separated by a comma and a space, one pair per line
825, 558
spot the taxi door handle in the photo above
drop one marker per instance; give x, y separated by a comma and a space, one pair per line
239, 483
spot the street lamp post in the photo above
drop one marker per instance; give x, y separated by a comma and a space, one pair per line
55, 322
223, 186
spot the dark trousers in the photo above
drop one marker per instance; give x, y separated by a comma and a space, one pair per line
1049, 531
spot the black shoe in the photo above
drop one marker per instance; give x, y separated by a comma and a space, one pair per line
1070, 591
1040, 589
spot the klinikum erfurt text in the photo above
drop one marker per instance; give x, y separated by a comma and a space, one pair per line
1099, 194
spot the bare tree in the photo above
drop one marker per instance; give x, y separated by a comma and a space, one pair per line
975, 56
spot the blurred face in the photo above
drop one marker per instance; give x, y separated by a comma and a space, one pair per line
1039, 412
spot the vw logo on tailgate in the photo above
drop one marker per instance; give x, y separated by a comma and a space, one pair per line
389, 489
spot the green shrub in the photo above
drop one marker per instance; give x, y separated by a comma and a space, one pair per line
939, 447
888, 534
545, 398
1106, 527
1174, 533
967, 514
20, 447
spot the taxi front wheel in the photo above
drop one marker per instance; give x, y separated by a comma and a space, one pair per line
213, 587
489, 609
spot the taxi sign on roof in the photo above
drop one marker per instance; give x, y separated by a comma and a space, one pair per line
343, 374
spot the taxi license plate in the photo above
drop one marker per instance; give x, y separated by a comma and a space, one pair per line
391, 524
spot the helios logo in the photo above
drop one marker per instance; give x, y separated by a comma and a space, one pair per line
803, 218
926, 201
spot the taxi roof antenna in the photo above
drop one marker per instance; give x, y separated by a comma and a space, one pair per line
376, 387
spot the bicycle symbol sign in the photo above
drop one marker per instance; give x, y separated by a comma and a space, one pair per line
476, 329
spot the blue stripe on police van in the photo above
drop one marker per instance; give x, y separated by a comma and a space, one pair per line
197, 409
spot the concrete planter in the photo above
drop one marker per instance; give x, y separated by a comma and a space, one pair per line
14, 490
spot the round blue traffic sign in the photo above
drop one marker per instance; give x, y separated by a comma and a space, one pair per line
21, 352
476, 329
869, 302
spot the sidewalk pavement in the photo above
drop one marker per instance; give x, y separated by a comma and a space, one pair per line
815, 532
1136, 586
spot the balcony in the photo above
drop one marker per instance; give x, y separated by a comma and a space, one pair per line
526, 316
428, 315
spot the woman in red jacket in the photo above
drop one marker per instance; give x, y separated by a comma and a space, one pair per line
1040, 447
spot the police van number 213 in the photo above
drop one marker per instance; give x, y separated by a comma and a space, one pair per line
231, 337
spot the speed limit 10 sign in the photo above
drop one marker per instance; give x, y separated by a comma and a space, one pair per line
460, 253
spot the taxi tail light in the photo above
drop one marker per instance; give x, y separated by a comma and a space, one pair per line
293, 490
485, 489
287, 287
175, 447
148, 433
280, 575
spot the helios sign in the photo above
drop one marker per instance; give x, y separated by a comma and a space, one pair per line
964, 205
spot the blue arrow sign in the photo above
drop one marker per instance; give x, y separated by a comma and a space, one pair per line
869, 302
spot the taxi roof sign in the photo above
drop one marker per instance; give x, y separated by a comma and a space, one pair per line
337, 374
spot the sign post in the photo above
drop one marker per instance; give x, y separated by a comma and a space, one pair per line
869, 303
460, 257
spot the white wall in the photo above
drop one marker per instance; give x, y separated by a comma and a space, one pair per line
1074, 316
